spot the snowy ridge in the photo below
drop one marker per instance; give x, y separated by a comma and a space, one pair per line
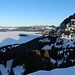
54, 53
22, 55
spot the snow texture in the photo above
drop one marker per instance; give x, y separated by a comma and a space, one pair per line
45, 40
47, 47
66, 71
8, 38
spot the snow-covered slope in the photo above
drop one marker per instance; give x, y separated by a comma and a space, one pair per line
66, 71
47, 53
8, 38
26, 54
67, 27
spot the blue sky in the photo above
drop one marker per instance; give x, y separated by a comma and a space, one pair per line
35, 12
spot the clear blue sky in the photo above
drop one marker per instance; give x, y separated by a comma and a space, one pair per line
35, 12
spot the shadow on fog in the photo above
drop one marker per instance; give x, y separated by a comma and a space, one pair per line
22, 39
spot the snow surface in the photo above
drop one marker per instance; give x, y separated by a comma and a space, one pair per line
8, 38
18, 70
45, 40
47, 47
53, 61
9, 64
68, 42
66, 71
3, 70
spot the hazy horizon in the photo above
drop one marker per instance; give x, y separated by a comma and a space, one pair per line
34, 12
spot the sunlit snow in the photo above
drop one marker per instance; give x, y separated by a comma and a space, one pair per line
8, 38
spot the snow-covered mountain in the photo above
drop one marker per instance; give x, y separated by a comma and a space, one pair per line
8, 41
67, 27
46, 54
36, 28
43, 53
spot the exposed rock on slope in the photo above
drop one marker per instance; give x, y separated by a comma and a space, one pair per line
43, 53
67, 27
36, 56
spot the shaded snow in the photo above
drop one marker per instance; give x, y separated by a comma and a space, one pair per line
3, 70
57, 46
59, 30
60, 61
18, 70
8, 38
66, 71
52, 60
68, 42
3, 50
9, 64
45, 40
60, 52
68, 25
47, 47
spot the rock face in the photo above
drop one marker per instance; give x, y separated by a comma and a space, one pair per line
67, 20
67, 26
43, 53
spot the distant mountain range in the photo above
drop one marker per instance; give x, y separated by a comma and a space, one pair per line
27, 28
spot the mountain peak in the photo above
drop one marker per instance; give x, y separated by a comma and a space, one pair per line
74, 15
67, 27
